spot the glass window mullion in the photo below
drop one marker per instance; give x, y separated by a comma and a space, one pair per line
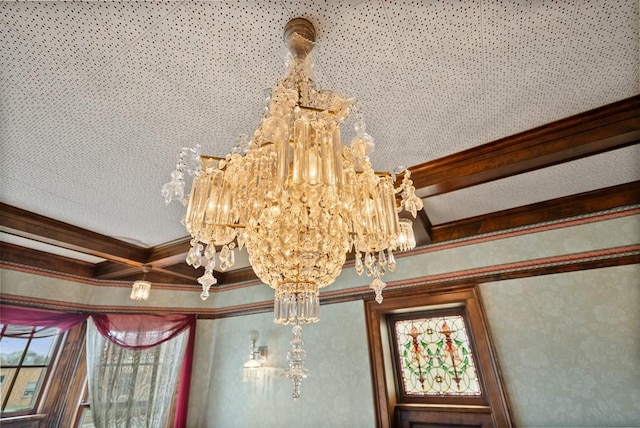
9, 390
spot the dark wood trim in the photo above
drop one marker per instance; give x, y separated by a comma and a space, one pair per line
238, 275
41, 260
64, 394
180, 273
167, 262
590, 202
547, 266
585, 261
555, 209
606, 128
427, 226
385, 399
28, 421
170, 253
25, 224
409, 416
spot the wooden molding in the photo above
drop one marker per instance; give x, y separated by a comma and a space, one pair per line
39, 259
387, 401
555, 209
606, 128
401, 289
25, 224
179, 273
68, 378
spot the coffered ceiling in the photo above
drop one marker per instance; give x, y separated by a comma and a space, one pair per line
98, 97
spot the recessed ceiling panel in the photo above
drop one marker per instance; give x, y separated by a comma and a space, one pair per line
52, 249
583, 175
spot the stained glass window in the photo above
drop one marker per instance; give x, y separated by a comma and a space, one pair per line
435, 357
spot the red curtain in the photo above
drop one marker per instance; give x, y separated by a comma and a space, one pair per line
126, 330
46, 321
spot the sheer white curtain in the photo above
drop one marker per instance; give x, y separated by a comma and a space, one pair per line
132, 387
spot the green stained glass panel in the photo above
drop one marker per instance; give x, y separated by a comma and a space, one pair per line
435, 357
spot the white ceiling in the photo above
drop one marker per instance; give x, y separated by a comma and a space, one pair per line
98, 97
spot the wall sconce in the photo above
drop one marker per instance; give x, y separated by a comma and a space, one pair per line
141, 288
252, 369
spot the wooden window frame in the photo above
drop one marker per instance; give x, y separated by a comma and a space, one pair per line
58, 403
391, 408
40, 391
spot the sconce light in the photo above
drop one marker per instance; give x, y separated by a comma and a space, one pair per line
252, 369
141, 288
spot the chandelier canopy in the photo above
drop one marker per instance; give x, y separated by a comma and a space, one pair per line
295, 197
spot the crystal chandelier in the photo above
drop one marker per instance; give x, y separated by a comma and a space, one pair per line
295, 197
141, 288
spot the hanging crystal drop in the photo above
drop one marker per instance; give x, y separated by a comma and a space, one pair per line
232, 259
377, 285
368, 259
358, 263
207, 279
211, 264
242, 237
197, 257
210, 251
205, 292
194, 255
224, 258
296, 358
391, 261
382, 258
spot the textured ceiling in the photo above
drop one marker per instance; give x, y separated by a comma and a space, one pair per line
97, 98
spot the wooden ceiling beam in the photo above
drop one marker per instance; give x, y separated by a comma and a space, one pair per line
161, 258
25, 224
23, 256
606, 128
555, 209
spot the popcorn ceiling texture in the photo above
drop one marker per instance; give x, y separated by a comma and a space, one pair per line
96, 98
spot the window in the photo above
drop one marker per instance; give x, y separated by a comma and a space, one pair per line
432, 361
30, 390
26, 354
85, 415
433, 355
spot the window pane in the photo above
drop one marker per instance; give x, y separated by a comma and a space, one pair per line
435, 357
25, 390
11, 350
40, 351
6, 376
86, 421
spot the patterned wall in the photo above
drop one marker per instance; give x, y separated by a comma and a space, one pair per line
569, 346
337, 393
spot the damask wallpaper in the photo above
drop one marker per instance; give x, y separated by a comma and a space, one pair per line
337, 392
569, 346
